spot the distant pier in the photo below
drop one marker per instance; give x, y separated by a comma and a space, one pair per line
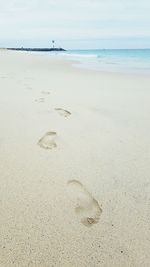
37, 49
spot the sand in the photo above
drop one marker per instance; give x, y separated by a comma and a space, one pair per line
74, 165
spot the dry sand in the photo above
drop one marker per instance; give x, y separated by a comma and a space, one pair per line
74, 165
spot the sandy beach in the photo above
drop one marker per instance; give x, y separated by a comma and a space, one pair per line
74, 165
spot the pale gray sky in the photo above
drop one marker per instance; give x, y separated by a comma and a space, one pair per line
75, 24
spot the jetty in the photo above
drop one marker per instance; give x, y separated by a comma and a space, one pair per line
37, 49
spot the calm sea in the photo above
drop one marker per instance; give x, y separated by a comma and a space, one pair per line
114, 60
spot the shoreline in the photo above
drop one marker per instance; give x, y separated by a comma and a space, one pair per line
81, 63
77, 64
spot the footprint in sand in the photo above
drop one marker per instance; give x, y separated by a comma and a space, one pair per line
40, 100
86, 207
48, 140
28, 87
63, 112
45, 93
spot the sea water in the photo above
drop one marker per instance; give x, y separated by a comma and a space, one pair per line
112, 60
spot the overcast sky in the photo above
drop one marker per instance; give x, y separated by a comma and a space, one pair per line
75, 23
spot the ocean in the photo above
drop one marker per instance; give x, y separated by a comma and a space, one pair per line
112, 60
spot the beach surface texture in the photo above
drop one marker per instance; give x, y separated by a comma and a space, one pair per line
74, 165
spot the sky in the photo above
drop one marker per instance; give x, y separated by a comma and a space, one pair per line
75, 24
